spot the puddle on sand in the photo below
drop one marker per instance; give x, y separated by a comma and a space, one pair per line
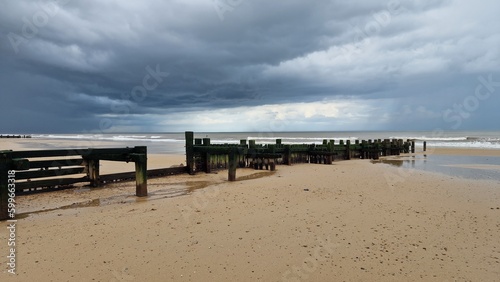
459, 166
91, 203
177, 189
173, 190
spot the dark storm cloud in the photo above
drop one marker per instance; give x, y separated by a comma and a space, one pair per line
69, 65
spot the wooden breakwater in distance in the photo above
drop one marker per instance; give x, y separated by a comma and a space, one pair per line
201, 155
48, 170
15, 136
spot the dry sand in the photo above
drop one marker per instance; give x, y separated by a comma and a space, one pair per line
350, 221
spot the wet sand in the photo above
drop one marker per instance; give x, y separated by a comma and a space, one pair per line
464, 152
350, 221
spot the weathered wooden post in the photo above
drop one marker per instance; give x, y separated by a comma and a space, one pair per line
425, 146
412, 146
397, 149
205, 157
387, 147
287, 155
363, 149
141, 171
376, 150
189, 135
93, 172
329, 156
272, 164
348, 150
5, 165
233, 163
407, 146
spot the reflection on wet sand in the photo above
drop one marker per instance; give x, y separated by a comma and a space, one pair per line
474, 167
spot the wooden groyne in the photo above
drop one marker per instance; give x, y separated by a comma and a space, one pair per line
48, 170
201, 155
44, 170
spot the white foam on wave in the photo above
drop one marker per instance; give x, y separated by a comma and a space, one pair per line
425, 138
108, 138
470, 145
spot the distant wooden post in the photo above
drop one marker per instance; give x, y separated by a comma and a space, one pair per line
5, 165
387, 147
287, 155
413, 146
376, 150
364, 147
328, 157
272, 164
141, 171
233, 163
407, 146
93, 172
190, 151
348, 150
397, 148
425, 146
278, 141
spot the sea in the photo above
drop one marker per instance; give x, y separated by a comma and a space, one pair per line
173, 143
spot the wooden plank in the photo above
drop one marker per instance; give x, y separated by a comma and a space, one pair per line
216, 150
127, 176
47, 153
56, 163
264, 155
29, 174
20, 164
89, 152
20, 186
122, 157
109, 151
167, 171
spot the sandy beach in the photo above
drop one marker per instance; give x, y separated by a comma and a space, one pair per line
349, 221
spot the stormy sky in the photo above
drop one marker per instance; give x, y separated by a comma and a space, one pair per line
71, 66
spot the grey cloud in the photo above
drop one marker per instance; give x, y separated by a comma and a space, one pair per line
84, 62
